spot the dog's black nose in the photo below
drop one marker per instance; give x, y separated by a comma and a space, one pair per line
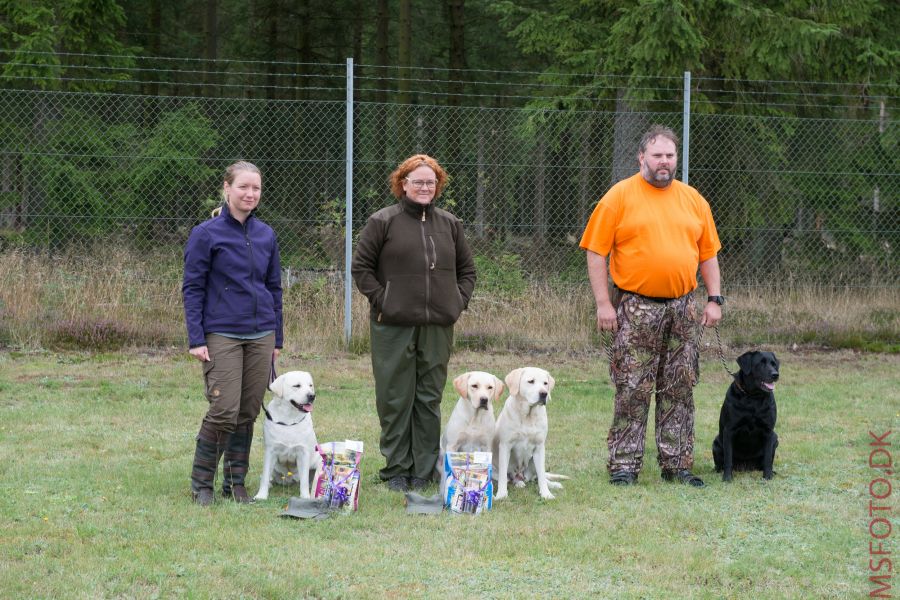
483, 402
310, 398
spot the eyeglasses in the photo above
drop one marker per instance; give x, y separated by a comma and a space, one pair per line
422, 183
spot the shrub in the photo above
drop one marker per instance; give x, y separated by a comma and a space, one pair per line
501, 274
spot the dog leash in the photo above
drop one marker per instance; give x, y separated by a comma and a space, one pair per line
608, 336
719, 349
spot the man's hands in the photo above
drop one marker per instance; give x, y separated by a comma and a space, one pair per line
606, 317
712, 314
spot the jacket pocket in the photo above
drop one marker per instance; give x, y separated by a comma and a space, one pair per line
441, 251
384, 299
431, 252
404, 301
446, 300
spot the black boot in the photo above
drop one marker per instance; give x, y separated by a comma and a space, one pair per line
206, 460
236, 463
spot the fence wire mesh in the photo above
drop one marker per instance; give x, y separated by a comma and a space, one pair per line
801, 192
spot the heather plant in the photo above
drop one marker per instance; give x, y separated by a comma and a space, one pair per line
101, 334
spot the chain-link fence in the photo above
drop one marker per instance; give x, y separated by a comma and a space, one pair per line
805, 187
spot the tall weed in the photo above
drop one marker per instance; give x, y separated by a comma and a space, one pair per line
107, 299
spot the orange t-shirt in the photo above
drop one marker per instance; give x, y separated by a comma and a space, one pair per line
655, 238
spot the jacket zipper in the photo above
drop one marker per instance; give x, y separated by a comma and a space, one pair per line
252, 287
428, 266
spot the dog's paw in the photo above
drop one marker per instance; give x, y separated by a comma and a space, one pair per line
768, 476
555, 485
726, 477
519, 483
500, 495
261, 496
547, 495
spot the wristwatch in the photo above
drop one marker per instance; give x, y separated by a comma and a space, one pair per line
720, 300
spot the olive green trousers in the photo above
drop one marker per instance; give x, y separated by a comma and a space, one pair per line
409, 364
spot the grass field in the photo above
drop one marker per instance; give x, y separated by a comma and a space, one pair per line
95, 453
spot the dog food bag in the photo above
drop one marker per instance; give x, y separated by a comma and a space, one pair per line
469, 486
337, 478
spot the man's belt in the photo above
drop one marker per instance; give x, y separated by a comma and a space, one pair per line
650, 298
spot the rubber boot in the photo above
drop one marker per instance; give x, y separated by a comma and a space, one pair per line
236, 464
206, 461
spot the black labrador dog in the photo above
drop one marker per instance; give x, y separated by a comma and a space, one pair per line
747, 439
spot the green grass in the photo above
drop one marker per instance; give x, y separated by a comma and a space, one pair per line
95, 452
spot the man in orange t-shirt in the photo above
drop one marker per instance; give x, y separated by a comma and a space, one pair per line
656, 232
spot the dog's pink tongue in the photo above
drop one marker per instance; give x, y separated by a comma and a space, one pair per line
768, 386
306, 407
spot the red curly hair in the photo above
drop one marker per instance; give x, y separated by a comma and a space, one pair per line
411, 164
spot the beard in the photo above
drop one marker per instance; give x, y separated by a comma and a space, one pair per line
655, 179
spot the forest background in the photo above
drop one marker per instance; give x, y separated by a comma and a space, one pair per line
117, 118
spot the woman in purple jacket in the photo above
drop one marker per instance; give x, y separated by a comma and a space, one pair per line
232, 309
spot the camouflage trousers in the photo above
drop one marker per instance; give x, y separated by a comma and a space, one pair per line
656, 347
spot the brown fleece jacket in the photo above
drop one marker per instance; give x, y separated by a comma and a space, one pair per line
413, 264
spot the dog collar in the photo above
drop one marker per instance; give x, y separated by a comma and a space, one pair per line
269, 417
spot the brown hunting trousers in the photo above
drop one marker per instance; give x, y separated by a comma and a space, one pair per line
236, 379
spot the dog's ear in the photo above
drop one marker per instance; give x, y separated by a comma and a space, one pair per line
745, 362
512, 381
461, 384
551, 380
277, 386
498, 388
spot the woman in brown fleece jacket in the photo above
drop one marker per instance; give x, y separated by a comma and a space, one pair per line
413, 264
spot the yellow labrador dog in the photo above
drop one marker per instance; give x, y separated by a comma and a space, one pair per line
471, 425
290, 442
521, 432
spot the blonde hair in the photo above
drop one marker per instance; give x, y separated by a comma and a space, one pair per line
231, 172
411, 164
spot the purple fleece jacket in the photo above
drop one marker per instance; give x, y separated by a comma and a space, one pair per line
232, 279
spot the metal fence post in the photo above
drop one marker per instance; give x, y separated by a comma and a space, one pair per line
686, 129
348, 223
